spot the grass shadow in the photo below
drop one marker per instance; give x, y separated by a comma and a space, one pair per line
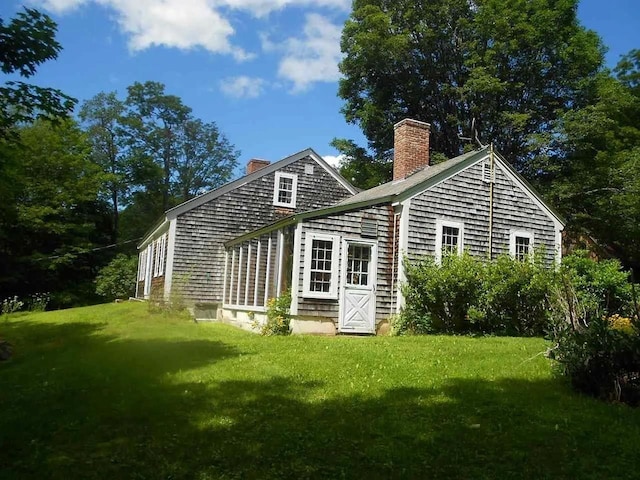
85, 404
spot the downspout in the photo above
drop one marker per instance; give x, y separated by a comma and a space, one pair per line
491, 181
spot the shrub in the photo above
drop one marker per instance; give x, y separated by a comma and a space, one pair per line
596, 347
515, 297
409, 323
601, 288
278, 316
11, 305
438, 297
118, 278
38, 302
600, 359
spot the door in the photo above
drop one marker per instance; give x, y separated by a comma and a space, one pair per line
358, 292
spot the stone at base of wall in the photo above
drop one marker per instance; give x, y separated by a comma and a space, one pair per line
315, 326
383, 328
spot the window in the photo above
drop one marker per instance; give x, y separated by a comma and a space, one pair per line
358, 261
142, 265
449, 238
159, 253
321, 266
284, 193
521, 245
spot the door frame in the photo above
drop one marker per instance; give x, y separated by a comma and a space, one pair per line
373, 276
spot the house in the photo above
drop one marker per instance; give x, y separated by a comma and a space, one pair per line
343, 262
184, 255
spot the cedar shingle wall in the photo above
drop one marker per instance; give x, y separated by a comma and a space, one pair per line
348, 225
201, 232
465, 198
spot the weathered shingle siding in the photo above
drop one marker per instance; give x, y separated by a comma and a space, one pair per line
348, 225
465, 198
201, 232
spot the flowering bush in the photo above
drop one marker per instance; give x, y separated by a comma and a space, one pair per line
11, 305
278, 315
38, 302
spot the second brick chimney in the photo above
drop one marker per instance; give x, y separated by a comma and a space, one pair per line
410, 147
256, 164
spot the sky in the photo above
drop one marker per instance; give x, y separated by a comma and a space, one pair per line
265, 71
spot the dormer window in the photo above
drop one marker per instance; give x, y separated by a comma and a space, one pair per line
284, 193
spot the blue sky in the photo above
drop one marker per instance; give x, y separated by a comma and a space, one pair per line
264, 70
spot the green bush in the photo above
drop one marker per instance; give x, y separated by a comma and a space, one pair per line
278, 316
596, 341
599, 359
515, 297
118, 278
438, 297
408, 322
602, 288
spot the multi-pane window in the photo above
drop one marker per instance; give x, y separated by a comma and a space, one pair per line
522, 248
321, 261
321, 265
521, 245
142, 265
358, 261
284, 194
449, 238
160, 246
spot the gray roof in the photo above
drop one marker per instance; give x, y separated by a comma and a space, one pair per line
399, 190
398, 187
212, 194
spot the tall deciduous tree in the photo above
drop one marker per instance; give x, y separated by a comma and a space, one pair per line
57, 216
155, 121
27, 41
102, 116
596, 183
189, 155
507, 68
205, 159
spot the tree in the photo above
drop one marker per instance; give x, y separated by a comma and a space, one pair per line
176, 155
154, 121
102, 116
118, 278
596, 182
501, 70
359, 167
26, 42
205, 159
56, 218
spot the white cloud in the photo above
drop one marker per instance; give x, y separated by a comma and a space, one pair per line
242, 86
186, 24
312, 58
333, 160
182, 24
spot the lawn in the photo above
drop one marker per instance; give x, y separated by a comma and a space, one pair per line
112, 391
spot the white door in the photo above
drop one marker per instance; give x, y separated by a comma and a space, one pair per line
358, 292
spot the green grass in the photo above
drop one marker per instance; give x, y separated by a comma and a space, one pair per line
113, 392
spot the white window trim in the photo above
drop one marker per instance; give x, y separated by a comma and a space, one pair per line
512, 241
142, 265
159, 245
276, 189
440, 224
335, 263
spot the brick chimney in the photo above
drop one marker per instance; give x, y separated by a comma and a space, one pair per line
410, 147
256, 164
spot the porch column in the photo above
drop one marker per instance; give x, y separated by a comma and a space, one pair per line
256, 283
267, 274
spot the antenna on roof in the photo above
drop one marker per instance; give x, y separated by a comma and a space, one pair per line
474, 132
